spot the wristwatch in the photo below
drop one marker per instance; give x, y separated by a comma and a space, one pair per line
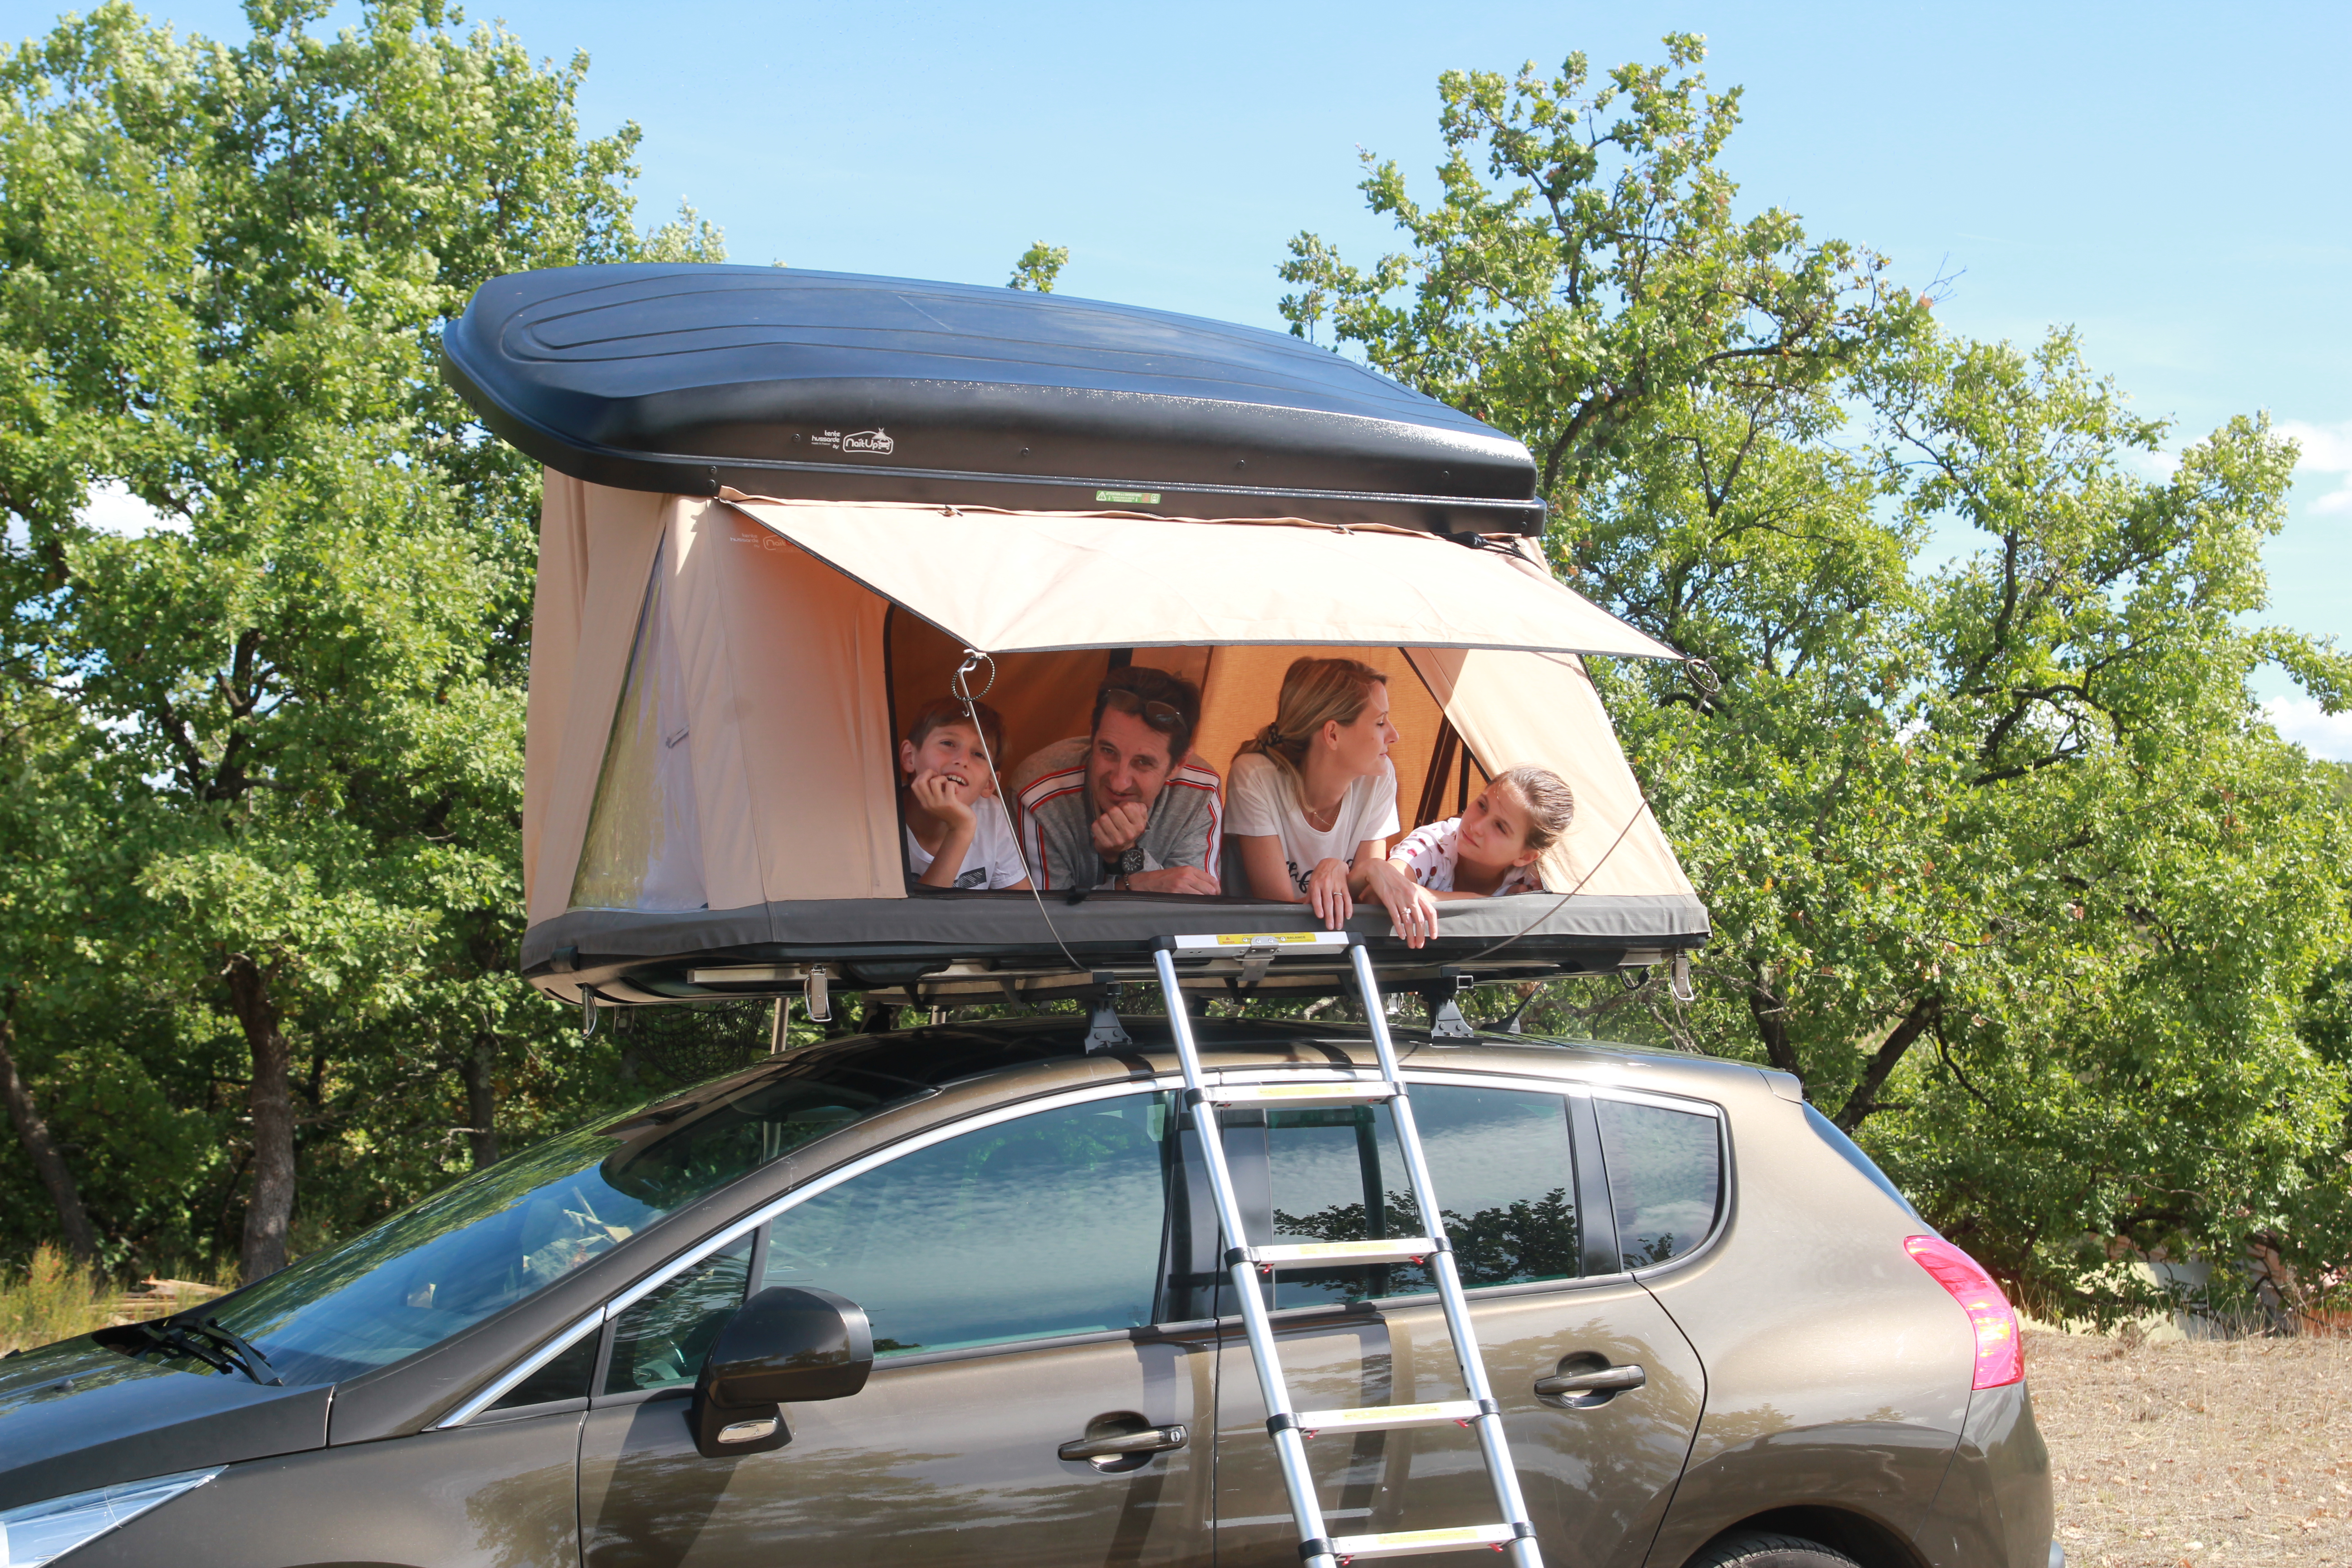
1125, 864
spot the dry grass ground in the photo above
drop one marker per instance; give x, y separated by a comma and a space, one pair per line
2186, 1453
50, 1300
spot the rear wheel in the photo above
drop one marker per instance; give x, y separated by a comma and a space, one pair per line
1755, 1550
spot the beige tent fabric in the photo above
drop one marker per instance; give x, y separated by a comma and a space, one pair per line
1031, 582
794, 769
596, 554
1517, 710
788, 672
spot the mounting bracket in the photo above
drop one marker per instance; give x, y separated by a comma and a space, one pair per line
1104, 1031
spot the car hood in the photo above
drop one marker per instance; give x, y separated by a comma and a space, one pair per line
75, 1416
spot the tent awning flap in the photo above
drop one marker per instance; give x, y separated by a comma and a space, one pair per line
1032, 581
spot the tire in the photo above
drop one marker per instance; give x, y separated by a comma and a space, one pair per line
1752, 1549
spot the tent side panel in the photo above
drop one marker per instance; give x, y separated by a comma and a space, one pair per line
1541, 708
793, 760
596, 551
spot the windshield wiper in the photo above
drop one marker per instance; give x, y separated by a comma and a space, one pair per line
208, 1342
250, 1360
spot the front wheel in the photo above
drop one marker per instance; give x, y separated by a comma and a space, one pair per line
1752, 1549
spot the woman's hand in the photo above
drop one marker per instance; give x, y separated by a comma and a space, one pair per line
1411, 907
1326, 893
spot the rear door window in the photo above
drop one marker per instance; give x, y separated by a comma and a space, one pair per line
1503, 1161
1047, 1225
1666, 1176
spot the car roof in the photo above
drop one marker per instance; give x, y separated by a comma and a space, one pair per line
1046, 1051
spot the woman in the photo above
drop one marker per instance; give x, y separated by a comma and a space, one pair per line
1312, 800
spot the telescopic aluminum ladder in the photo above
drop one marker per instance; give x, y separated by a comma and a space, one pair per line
1290, 1428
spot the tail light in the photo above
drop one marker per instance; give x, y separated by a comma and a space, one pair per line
2000, 1358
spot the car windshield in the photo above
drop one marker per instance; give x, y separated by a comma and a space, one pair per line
516, 1228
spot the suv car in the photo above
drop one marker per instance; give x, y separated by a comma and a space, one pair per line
512, 1371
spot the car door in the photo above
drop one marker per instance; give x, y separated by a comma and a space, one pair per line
1519, 1173
1011, 1268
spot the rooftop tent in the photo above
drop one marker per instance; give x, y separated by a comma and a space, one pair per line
719, 671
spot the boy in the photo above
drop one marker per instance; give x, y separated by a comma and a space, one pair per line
956, 834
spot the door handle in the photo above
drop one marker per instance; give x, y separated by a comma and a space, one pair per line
1151, 1440
1607, 1379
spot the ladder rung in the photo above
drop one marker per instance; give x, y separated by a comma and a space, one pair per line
1237, 943
1304, 1095
1336, 1254
1387, 1417
1400, 1542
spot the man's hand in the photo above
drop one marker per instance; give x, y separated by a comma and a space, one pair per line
1174, 879
1115, 830
937, 793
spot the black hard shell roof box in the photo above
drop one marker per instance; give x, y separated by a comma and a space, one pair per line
683, 378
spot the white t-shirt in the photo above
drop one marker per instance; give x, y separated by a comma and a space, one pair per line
1259, 805
992, 861
1431, 853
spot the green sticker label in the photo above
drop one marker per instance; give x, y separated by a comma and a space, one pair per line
1129, 498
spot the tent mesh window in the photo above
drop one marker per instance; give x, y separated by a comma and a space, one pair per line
688, 1043
644, 846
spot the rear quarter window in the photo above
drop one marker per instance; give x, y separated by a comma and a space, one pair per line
1665, 1177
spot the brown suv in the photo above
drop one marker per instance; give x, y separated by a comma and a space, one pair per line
1012, 1344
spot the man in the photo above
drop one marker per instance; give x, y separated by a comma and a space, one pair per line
1134, 813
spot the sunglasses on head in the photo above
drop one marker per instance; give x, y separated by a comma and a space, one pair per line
1159, 715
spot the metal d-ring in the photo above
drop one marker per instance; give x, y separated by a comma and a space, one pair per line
959, 683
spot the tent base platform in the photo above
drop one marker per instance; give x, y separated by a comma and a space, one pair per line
963, 948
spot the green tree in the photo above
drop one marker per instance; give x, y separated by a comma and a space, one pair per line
225, 266
2003, 860
1039, 265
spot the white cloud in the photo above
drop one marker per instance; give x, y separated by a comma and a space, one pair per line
113, 508
2327, 450
2322, 734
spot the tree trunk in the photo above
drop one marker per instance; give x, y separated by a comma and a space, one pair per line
49, 1160
271, 1101
481, 1101
1772, 1027
1864, 1098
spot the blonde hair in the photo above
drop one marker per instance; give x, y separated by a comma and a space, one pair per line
1551, 804
1315, 693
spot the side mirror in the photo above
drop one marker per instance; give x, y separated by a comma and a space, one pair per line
785, 1345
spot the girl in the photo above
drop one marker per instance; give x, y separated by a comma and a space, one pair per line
1489, 851
1312, 800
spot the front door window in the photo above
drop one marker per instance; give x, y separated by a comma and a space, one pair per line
1051, 1225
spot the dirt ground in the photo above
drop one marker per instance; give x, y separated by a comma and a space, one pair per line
2186, 1453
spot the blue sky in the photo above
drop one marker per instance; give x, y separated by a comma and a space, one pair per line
2167, 178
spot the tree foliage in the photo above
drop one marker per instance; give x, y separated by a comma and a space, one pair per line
1038, 267
2003, 859
282, 731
